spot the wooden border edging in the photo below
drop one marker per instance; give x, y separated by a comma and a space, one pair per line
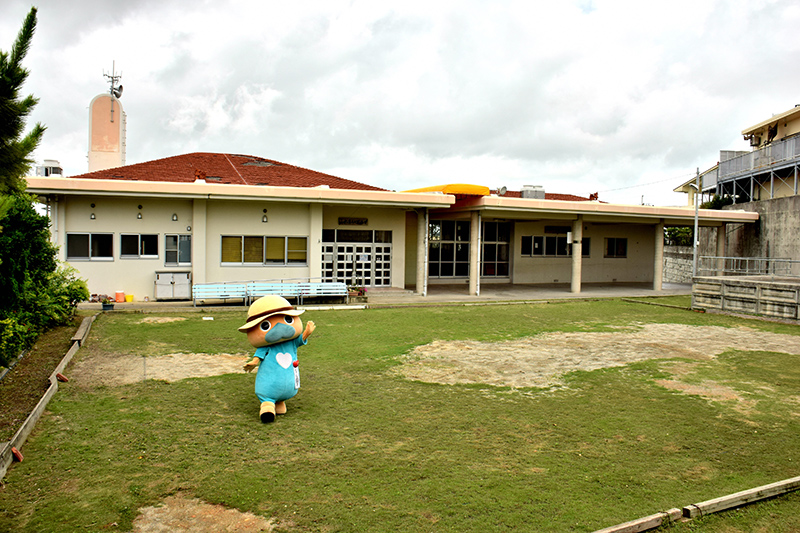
643, 524
741, 498
707, 507
83, 330
19, 438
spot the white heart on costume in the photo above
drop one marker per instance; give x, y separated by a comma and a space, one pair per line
284, 359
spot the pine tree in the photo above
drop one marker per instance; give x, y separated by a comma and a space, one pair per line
16, 148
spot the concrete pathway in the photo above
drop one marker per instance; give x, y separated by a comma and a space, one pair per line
442, 294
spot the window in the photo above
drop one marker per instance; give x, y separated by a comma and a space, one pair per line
448, 248
352, 236
545, 245
586, 246
616, 247
260, 250
177, 250
135, 245
496, 238
90, 246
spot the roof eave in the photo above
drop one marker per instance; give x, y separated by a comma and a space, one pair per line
99, 187
597, 210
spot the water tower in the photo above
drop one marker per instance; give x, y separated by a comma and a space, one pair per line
107, 127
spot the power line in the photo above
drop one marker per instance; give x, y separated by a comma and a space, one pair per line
646, 184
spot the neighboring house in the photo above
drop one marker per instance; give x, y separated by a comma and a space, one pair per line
770, 170
763, 181
210, 217
690, 187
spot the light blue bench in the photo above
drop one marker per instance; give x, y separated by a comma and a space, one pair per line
257, 289
302, 290
312, 290
251, 290
219, 291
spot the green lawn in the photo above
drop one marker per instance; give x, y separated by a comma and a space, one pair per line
362, 449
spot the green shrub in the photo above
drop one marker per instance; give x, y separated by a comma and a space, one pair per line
35, 292
13, 339
717, 202
62, 293
678, 236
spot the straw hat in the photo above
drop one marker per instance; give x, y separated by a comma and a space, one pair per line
265, 307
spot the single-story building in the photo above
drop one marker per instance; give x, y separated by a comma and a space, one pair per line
153, 229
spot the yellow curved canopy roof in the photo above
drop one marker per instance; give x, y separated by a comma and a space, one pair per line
456, 188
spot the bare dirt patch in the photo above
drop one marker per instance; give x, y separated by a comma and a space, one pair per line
115, 369
182, 515
542, 360
161, 319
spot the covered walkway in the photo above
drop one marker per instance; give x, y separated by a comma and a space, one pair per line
446, 294
501, 292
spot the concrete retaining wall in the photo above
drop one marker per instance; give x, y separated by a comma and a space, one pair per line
677, 264
756, 295
773, 235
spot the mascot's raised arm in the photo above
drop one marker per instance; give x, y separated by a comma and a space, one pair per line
274, 328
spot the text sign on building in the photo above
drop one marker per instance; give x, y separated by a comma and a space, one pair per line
352, 221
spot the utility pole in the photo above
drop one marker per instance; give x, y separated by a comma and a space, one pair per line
696, 236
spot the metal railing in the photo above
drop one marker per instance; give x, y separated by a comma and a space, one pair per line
747, 266
776, 152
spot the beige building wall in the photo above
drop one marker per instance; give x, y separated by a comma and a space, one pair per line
780, 188
245, 218
411, 249
117, 216
636, 267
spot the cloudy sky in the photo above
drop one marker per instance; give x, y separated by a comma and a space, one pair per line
622, 97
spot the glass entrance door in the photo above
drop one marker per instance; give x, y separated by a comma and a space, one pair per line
367, 265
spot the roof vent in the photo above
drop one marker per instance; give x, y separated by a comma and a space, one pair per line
532, 191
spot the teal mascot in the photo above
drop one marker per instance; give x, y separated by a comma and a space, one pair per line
274, 328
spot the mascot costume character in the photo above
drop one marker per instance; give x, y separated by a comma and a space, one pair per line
274, 328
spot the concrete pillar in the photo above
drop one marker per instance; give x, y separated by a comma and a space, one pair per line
422, 251
58, 227
199, 259
577, 253
475, 254
658, 259
315, 241
721, 237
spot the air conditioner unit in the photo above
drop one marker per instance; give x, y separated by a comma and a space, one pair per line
755, 140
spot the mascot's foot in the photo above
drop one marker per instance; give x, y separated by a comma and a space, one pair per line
280, 408
267, 413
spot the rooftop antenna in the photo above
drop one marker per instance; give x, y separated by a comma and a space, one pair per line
116, 89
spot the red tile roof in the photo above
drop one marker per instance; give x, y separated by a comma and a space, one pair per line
228, 169
549, 196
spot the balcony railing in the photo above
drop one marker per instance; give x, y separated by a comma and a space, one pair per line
774, 153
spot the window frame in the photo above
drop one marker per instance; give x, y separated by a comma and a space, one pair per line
268, 257
557, 245
615, 241
139, 246
448, 249
178, 237
90, 246
496, 239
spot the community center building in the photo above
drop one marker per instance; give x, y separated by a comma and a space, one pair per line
153, 229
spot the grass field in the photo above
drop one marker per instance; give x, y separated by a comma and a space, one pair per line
363, 449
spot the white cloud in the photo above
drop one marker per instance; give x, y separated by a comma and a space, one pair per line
618, 96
